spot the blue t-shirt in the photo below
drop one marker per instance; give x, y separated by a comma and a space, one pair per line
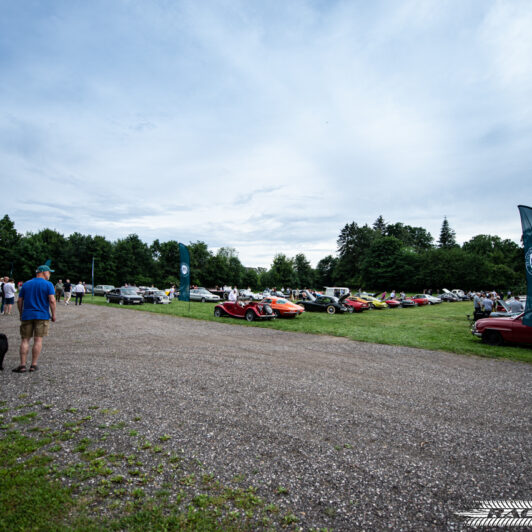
36, 303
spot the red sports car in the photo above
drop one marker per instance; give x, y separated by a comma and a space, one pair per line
357, 304
496, 331
419, 300
249, 310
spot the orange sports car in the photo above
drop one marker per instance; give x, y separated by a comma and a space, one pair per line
282, 307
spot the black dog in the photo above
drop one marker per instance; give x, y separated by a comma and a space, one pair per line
4, 346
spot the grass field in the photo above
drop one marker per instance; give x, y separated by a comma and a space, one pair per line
440, 327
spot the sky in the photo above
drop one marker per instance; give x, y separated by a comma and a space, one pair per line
265, 126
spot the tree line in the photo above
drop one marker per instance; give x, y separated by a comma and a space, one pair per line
379, 257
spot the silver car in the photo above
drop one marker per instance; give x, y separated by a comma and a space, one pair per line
102, 289
203, 295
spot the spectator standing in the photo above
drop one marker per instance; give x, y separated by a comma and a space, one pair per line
2, 282
59, 290
477, 302
233, 295
516, 305
67, 288
79, 290
488, 305
35, 302
9, 292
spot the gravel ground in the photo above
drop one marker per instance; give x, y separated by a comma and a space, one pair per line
361, 436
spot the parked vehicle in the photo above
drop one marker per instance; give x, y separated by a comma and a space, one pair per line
374, 303
462, 296
426, 299
248, 295
448, 296
358, 305
407, 303
283, 308
203, 295
496, 331
249, 311
329, 304
336, 291
157, 297
102, 289
124, 296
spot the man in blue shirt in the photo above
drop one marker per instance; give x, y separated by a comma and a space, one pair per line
36, 300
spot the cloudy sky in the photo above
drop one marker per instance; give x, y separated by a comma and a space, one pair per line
265, 126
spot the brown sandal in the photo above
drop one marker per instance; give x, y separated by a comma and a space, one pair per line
19, 369
33, 368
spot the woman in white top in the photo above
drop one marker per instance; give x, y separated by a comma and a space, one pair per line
9, 294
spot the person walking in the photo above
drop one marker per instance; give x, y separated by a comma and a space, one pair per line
59, 290
9, 292
67, 287
36, 305
79, 290
3, 280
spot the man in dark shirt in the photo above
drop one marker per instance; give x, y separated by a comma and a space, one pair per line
67, 287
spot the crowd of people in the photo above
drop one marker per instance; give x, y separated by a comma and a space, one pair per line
486, 302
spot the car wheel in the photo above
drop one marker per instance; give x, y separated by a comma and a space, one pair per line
250, 315
492, 338
277, 313
203, 300
331, 309
217, 312
121, 302
350, 310
108, 300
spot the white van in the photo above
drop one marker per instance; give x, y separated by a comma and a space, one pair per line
336, 291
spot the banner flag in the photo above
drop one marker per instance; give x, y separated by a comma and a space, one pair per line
184, 273
526, 221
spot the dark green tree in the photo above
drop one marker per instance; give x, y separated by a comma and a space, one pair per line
447, 235
306, 276
324, 272
9, 241
379, 225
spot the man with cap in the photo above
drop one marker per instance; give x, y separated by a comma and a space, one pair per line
35, 302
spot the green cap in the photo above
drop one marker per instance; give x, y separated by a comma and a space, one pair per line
43, 268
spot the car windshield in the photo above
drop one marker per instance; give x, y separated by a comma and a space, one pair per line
129, 291
159, 293
282, 301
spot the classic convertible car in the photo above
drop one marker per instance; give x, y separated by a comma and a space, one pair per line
496, 331
249, 311
329, 304
283, 308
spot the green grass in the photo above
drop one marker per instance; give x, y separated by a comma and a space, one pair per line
439, 327
40, 491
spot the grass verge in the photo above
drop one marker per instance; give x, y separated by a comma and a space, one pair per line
441, 327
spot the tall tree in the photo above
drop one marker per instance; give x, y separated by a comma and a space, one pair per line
379, 225
9, 240
304, 272
325, 271
447, 235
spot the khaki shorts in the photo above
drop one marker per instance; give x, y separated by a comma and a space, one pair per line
38, 328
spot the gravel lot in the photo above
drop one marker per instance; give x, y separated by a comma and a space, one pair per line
362, 436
